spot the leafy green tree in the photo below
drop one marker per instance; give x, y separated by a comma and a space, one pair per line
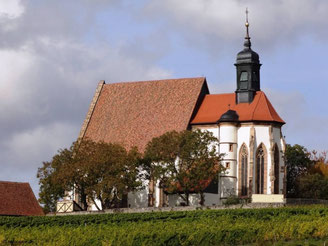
94, 170
314, 186
184, 162
298, 163
109, 171
50, 189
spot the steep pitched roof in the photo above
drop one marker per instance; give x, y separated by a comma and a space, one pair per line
132, 113
214, 106
18, 199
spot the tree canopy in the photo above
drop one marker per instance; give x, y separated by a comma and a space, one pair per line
307, 173
94, 170
184, 162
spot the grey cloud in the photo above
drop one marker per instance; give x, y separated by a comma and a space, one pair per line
51, 70
214, 23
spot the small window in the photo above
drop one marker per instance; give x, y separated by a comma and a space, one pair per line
244, 76
228, 165
230, 147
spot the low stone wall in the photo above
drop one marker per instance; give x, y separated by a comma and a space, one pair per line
168, 209
289, 201
304, 201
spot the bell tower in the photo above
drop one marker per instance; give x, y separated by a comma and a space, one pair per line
248, 71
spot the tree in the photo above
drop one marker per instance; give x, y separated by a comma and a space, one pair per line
109, 171
94, 170
314, 186
184, 162
314, 183
298, 163
51, 190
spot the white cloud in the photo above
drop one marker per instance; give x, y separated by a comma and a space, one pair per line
49, 74
222, 21
11, 9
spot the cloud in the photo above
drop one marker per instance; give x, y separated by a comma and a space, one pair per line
304, 126
50, 70
220, 23
10, 9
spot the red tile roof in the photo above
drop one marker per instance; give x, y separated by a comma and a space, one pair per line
214, 106
133, 113
18, 199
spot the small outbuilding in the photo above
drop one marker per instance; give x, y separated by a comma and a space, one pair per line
18, 199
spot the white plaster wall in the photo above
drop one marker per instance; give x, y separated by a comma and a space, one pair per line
194, 200
138, 199
227, 186
243, 134
93, 207
175, 200
212, 199
228, 133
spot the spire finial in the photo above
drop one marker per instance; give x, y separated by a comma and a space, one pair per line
247, 43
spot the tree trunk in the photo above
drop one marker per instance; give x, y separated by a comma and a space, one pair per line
187, 199
202, 199
84, 200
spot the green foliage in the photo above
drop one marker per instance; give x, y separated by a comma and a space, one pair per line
95, 170
184, 162
307, 173
50, 189
314, 186
298, 162
202, 227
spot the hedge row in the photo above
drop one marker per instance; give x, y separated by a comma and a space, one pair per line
210, 227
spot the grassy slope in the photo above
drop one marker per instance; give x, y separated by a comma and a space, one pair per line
210, 227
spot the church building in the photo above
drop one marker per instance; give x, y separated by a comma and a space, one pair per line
245, 122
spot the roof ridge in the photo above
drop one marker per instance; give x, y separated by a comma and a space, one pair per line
232, 93
257, 104
13, 182
272, 110
156, 80
267, 102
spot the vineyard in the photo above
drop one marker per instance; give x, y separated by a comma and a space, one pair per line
292, 225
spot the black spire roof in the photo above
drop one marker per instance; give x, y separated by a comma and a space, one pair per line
229, 116
248, 70
247, 55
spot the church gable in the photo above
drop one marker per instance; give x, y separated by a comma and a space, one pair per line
133, 113
213, 106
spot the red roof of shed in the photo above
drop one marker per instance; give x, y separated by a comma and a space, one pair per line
214, 106
18, 199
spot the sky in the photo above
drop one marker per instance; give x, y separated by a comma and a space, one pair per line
53, 54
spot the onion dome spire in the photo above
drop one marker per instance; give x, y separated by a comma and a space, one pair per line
248, 70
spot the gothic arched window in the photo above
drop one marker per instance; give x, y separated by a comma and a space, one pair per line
243, 170
276, 169
260, 170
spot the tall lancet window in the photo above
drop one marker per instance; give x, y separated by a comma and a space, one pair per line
276, 169
244, 170
260, 168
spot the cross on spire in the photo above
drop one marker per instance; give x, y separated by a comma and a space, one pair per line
247, 43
